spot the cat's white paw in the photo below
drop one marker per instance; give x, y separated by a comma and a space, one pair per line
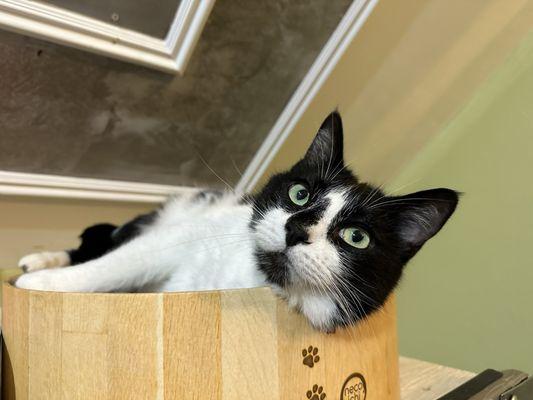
41, 280
46, 259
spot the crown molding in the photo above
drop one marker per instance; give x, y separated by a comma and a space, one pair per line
40, 185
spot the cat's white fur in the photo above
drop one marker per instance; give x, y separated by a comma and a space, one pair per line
46, 259
202, 245
193, 245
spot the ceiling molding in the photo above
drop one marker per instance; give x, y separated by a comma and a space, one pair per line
58, 25
323, 66
39, 185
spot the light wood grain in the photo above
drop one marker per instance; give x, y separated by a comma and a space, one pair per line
227, 345
87, 314
421, 380
44, 339
132, 339
84, 358
192, 365
248, 322
15, 327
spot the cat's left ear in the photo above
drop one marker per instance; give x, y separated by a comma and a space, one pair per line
327, 146
419, 216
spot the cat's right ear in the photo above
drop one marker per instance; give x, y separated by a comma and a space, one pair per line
419, 216
327, 147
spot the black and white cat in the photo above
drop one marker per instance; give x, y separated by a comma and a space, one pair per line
332, 246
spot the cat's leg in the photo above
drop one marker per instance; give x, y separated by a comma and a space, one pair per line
137, 258
46, 259
96, 241
92, 276
127, 268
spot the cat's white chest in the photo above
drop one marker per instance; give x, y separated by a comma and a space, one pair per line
210, 245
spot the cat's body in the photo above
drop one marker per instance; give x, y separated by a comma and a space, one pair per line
197, 241
332, 246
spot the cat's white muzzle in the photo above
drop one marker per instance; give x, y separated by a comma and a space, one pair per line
270, 231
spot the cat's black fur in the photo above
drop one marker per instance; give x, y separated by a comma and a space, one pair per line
398, 225
99, 239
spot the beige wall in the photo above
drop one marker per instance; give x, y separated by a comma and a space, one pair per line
466, 298
34, 224
411, 68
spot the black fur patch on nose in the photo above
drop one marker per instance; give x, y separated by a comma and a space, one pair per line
296, 233
296, 226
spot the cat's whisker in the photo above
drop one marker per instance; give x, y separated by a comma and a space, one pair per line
348, 287
402, 187
340, 301
340, 169
370, 196
204, 248
406, 201
235, 166
363, 315
197, 240
230, 187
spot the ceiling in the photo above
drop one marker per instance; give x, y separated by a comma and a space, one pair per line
67, 112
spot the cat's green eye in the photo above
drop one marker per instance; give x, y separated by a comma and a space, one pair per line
299, 194
355, 237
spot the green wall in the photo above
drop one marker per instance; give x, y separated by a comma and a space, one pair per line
467, 298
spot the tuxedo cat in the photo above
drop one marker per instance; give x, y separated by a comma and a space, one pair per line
332, 246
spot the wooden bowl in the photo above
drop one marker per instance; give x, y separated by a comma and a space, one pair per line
220, 345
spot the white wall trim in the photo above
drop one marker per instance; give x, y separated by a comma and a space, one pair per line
25, 184
58, 25
325, 63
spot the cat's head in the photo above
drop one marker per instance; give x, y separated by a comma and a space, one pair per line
336, 246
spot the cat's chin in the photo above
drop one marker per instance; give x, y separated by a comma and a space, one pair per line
296, 274
301, 274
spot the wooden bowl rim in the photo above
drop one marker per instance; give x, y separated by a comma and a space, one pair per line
10, 286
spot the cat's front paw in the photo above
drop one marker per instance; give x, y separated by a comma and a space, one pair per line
46, 259
40, 280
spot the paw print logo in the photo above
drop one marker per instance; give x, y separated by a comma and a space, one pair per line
310, 356
316, 394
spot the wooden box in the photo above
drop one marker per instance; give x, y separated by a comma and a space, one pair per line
221, 345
